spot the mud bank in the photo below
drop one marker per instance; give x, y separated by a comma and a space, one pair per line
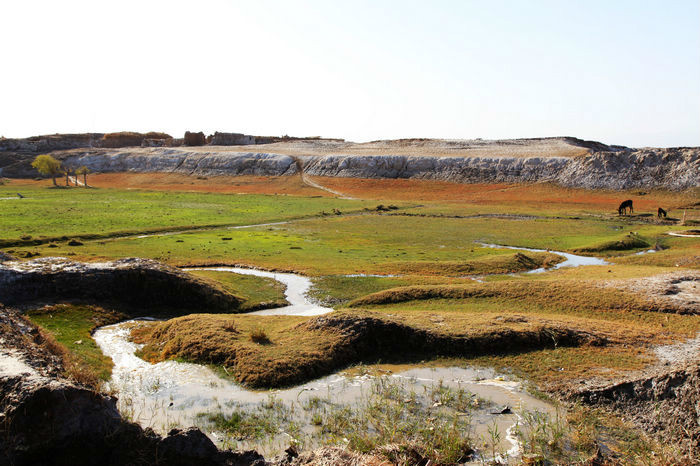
599, 167
46, 419
333, 342
677, 292
665, 404
138, 282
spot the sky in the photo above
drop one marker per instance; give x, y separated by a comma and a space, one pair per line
620, 72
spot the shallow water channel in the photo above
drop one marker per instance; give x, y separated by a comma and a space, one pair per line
571, 260
174, 394
297, 288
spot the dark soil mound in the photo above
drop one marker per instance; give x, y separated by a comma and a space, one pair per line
370, 339
135, 282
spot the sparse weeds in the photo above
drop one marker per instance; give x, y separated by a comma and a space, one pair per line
392, 414
541, 436
259, 336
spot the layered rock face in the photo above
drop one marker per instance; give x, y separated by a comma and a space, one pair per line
598, 166
644, 168
136, 282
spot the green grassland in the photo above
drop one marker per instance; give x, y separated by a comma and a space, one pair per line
256, 292
71, 326
369, 243
55, 212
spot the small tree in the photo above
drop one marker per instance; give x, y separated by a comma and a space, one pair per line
83, 171
47, 165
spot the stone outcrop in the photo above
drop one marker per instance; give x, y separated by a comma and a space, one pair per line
195, 139
46, 419
187, 162
135, 282
643, 168
50, 142
231, 139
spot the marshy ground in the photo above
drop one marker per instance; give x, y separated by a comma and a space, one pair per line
405, 266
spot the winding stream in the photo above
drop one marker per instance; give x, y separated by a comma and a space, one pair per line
169, 394
297, 288
572, 260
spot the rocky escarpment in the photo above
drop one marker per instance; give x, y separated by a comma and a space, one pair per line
620, 169
583, 165
46, 419
165, 160
144, 283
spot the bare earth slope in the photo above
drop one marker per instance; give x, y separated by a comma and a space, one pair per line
569, 162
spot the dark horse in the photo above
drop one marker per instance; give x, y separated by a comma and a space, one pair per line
624, 206
661, 213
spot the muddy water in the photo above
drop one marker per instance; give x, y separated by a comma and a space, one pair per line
297, 288
572, 260
169, 394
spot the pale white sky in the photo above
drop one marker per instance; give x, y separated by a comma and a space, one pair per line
622, 72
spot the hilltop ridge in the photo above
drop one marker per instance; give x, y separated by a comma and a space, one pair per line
566, 161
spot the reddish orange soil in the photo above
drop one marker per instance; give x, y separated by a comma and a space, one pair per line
291, 185
540, 193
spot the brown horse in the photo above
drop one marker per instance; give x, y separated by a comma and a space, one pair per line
624, 206
661, 213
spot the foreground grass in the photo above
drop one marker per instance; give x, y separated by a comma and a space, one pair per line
71, 326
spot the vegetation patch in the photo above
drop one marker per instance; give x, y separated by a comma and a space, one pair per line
629, 242
103, 213
505, 263
71, 326
562, 295
255, 292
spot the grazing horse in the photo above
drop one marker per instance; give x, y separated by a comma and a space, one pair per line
661, 213
624, 206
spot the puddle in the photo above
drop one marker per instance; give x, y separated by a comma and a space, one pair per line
297, 288
169, 394
572, 260
684, 234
